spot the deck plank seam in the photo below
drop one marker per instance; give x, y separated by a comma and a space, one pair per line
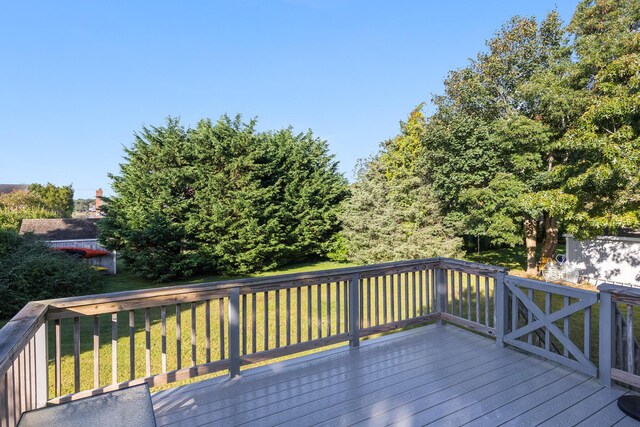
251, 372
363, 357
531, 372
420, 363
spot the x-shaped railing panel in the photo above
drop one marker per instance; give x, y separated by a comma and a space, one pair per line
546, 320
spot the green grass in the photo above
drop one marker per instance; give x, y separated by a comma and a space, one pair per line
513, 258
126, 281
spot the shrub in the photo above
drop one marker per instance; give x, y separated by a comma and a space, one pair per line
29, 271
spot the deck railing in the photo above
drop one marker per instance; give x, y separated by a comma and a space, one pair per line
64, 349
538, 316
619, 356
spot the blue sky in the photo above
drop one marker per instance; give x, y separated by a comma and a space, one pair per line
77, 79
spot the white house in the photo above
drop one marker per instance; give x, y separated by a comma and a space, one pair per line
614, 259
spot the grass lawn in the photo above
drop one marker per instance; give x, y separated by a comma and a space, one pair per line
512, 258
127, 281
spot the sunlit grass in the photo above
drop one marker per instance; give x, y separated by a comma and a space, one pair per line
126, 281
404, 299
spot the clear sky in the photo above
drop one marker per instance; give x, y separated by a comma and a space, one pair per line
77, 79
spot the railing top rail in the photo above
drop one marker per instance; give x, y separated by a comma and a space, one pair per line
551, 287
627, 294
471, 267
18, 331
336, 274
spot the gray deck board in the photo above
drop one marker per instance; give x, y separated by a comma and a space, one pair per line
585, 408
314, 383
609, 415
361, 407
386, 391
522, 404
458, 399
436, 375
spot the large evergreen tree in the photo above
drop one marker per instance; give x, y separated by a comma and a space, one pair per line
392, 213
222, 197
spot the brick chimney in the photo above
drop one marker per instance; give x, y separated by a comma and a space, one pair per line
98, 201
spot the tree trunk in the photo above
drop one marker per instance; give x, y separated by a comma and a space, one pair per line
550, 243
530, 234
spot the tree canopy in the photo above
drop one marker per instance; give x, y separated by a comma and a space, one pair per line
38, 201
222, 197
542, 128
392, 213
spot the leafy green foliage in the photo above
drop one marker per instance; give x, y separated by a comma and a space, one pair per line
489, 134
29, 271
222, 197
39, 201
83, 205
603, 147
392, 214
542, 126
55, 199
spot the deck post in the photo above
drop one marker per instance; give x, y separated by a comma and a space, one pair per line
502, 304
441, 293
607, 335
41, 362
354, 314
234, 332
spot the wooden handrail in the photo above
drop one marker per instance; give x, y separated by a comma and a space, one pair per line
624, 294
452, 264
229, 284
18, 331
23, 340
471, 267
127, 300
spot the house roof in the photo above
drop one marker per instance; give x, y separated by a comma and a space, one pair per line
61, 228
8, 188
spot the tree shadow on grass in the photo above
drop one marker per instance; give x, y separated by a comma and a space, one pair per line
512, 258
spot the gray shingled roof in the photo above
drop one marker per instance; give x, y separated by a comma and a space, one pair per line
61, 228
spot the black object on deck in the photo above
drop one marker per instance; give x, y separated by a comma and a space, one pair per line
630, 405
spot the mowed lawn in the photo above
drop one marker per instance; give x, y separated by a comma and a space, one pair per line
126, 281
512, 258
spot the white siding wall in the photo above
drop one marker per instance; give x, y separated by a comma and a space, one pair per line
607, 258
107, 261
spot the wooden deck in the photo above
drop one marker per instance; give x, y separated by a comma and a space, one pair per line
436, 375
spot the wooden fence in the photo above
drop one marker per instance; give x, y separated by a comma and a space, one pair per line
164, 335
